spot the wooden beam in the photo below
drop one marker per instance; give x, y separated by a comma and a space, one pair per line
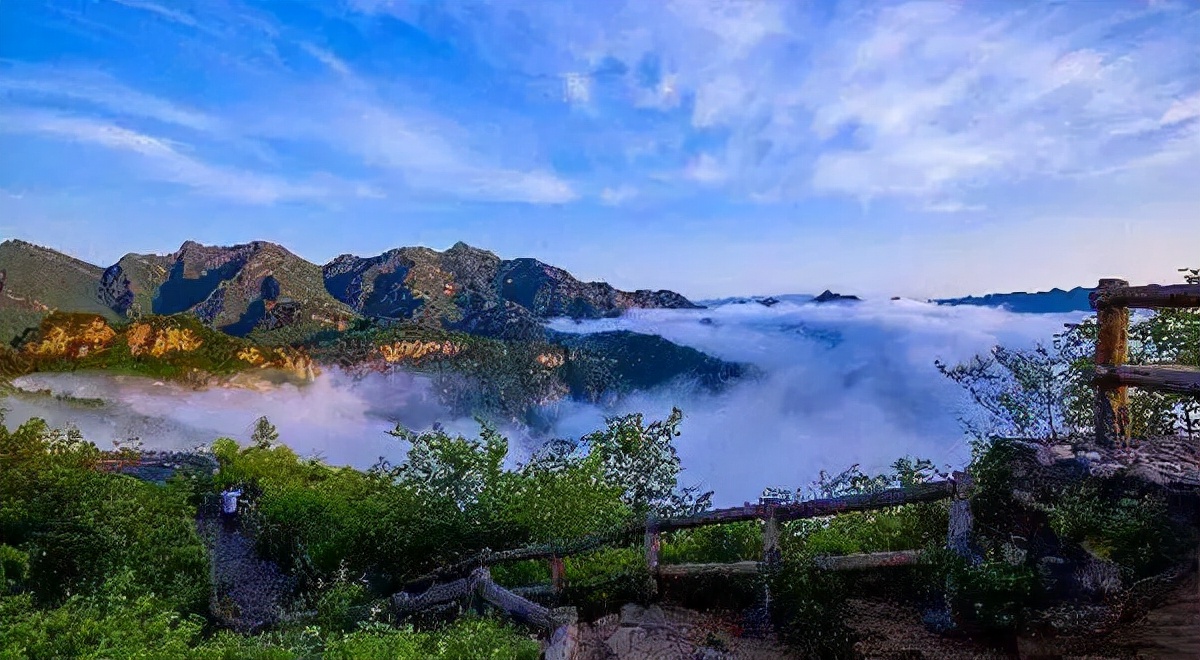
701, 570
1111, 404
653, 543
1167, 378
829, 563
557, 574
867, 560
521, 609
960, 537
542, 551
406, 603
927, 492
1152, 296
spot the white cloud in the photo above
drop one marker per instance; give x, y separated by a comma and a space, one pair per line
409, 147
863, 374
161, 11
705, 169
953, 207
918, 100
102, 91
619, 195
1182, 110
326, 57
577, 88
162, 160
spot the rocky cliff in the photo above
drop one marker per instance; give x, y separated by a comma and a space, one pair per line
474, 290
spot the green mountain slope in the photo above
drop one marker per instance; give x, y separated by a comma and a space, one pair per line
38, 280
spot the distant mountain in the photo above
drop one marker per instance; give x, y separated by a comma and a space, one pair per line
474, 290
368, 312
770, 301
38, 280
262, 290
1042, 302
829, 296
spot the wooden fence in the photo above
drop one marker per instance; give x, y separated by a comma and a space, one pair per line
1112, 301
470, 577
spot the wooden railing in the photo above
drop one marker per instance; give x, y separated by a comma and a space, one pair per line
1112, 301
471, 578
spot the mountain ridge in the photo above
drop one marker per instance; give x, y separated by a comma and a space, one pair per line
1055, 300
261, 289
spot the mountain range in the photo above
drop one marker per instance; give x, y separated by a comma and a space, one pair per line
1042, 302
264, 291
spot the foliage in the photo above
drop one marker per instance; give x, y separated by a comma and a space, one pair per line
1024, 392
713, 544
451, 497
265, 434
644, 462
1134, 531
994, 595
79, 525
809, 609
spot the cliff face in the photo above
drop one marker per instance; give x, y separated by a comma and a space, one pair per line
474, 290
239, 289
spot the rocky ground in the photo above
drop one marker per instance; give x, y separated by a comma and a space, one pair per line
674, 633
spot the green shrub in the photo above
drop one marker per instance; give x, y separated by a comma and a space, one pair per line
1134, 531
809, 610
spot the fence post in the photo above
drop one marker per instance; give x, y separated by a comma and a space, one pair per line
962, 522
557, 577
652, 546
1112, 349
771, 552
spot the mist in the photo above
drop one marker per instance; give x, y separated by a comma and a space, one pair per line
840, 384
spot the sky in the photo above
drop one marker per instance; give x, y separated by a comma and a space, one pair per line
920, 149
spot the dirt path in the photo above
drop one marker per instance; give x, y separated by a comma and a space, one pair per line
1171, 630
248, 592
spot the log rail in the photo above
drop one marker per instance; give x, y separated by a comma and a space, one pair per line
1112, 300
470, 578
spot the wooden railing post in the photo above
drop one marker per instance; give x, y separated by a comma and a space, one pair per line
557, 574
962, 522
652, 546
771, 552
1112, 349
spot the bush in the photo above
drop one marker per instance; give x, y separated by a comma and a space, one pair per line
809, 610
1134, 531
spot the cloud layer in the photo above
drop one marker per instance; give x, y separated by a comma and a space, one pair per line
842, 385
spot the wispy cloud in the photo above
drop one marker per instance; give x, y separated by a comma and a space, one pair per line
162, 160
101, 91
166, 13
326, 57
618, 195
910, 100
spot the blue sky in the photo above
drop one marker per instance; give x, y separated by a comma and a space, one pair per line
714, 148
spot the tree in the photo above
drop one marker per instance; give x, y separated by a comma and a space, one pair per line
264, 435
643, 461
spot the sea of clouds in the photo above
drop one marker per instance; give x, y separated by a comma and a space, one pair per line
840, 384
